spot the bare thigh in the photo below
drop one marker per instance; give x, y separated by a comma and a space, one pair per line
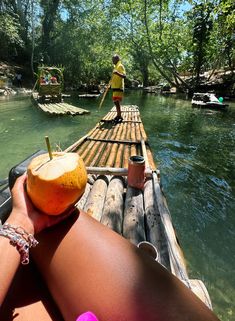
28, 298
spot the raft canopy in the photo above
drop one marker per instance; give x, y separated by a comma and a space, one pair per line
50, 81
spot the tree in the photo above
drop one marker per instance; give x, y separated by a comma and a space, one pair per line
50, 12
202, 26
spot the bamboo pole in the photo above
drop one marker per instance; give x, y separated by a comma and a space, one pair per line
86, 148
177, 261
125, 154
120, 147
81, 203
106, 152
154, 228
133, 223
98, 146
121, 171
114, 139
79, 142
95, 201
127, 148
105, 93
113, 151
144, 153
114, 205
133, 135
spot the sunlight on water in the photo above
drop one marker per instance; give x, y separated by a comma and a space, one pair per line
194, 150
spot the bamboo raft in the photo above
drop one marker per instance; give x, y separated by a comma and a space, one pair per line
88, 95
59, 108
135, 214
138, 215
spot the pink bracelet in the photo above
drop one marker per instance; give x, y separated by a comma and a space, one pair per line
19, 238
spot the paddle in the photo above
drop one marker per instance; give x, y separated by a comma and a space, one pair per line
105, 93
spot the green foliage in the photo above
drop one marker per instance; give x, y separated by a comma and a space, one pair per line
158, 40
10, 35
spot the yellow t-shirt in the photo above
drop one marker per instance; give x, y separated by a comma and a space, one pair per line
117, 81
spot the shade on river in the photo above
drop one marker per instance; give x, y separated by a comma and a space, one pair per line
195, 151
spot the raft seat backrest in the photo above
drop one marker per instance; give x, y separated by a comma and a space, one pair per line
49, 89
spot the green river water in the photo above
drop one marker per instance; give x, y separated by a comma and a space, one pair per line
195, 151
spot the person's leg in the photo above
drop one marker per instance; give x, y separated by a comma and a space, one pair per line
118, 108
88, 267
117, 98
28, 298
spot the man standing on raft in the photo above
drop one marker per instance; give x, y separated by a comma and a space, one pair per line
117, 85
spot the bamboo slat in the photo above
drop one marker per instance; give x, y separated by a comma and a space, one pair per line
113, 171
79, 142
126, 151
107, 147
87, 145
95, 200
198, 287
133, 223
133, 135
177, 262
154, 232
144, 153
113, 152
126, 156
99, 147
90, 154
114, 205
118, 141
121, 136
81, 203
88, 150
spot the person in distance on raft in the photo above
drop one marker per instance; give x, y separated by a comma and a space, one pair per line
117, 85
86, 267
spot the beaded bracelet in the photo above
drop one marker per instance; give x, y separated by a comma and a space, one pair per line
19, 238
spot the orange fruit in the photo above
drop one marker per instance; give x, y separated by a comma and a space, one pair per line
54, 185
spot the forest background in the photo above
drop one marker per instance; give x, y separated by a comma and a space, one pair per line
181, 43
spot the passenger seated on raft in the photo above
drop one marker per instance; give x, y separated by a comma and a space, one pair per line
85, 267
42, 80
54, 80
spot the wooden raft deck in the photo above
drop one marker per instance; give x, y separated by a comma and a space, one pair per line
59, 108
110, 146
135, 214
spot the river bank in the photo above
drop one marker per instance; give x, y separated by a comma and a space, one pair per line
220, 82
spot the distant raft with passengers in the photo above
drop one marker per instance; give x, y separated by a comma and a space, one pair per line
48, 94
208, 100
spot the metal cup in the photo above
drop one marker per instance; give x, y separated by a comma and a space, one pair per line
149, 248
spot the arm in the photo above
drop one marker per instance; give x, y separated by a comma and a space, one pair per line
120, 71
25, 216
122, 75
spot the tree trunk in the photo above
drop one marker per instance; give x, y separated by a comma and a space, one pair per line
50, 10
